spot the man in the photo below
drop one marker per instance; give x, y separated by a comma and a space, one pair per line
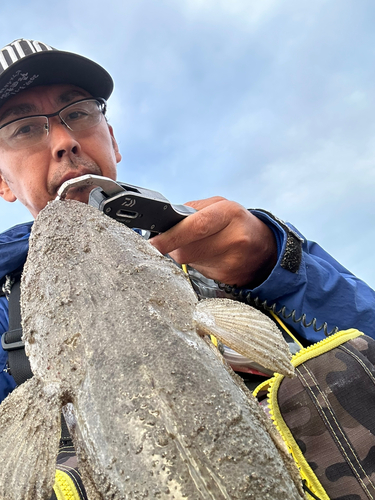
52, 129
225, 242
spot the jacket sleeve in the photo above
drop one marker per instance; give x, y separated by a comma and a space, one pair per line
308, 281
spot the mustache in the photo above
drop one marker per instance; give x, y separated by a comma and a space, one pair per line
71, 165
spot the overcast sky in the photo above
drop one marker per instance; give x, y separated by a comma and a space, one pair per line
267, 102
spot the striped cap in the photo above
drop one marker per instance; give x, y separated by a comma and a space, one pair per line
29, 63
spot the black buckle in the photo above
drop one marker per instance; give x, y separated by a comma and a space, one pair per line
12, 346
7, 282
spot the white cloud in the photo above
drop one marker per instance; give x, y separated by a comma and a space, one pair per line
267, 102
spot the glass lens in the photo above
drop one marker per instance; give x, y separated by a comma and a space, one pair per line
31, 130
25, 132
81, 115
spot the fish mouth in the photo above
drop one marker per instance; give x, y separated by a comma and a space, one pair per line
79, 192
73, 175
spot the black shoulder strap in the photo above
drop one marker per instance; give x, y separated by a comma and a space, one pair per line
18, 362
11, 341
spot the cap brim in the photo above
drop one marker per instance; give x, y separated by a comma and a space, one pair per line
55, 67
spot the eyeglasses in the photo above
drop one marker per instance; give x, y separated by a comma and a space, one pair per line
80, 115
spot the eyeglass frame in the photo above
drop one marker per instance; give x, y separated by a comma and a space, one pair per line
102, 107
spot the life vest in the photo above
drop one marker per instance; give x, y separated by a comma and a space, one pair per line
326, 415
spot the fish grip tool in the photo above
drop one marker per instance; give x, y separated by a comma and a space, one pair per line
134, 206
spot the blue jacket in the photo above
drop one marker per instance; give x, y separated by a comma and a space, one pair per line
314, 284
306, 279
14, 245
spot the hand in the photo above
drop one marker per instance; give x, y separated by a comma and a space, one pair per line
223, 241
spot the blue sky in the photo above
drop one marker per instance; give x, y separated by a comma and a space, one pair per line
270, 103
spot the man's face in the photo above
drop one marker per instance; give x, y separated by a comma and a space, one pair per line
33, 175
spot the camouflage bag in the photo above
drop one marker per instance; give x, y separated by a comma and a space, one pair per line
326, 416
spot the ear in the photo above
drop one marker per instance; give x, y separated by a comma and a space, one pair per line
115, 145
5, 191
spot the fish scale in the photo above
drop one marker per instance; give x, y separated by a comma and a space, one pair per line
110, 329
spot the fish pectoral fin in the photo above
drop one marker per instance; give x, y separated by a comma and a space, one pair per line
29, 441
245, 330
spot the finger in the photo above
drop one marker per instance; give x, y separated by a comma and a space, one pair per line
204, 223
242, 253
199, 204
221, 256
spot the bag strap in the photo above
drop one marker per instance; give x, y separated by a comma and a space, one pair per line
18, 363
11, 341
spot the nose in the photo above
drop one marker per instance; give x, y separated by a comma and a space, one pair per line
63, 143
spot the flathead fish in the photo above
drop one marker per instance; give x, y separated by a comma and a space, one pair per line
110, 328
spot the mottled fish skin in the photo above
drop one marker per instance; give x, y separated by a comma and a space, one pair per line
108, 325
